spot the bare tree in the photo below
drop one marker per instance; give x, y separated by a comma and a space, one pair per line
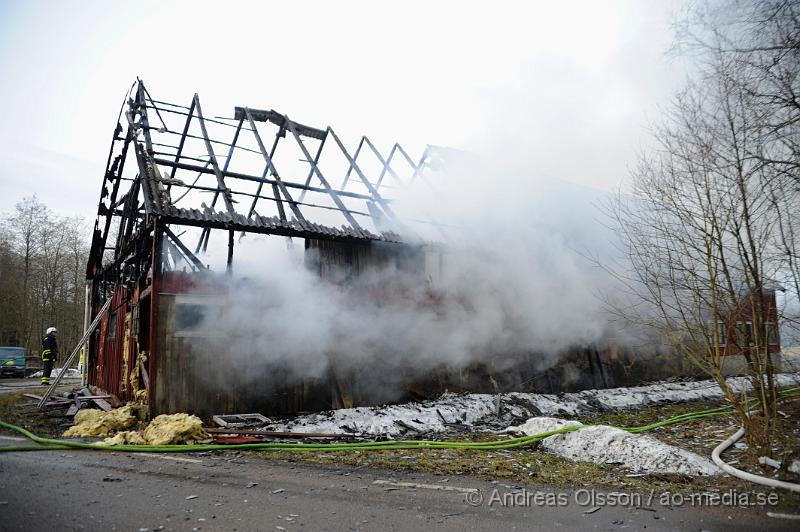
710, 226
10, 288
42, 271
30, 213
760, 40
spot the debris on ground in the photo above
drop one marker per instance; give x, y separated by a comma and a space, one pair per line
166, 429
77, 399
601, 444
240, 421
90, 423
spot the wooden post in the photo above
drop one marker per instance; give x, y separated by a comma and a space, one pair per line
230, 251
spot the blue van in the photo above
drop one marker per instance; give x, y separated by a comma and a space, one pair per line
12, 361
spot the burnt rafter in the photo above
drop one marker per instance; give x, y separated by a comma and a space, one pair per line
273, 175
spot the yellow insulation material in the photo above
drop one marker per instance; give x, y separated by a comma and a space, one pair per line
139, 394
166, 429
128, 437
174, 429
96, 423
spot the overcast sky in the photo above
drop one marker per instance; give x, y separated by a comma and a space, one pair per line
566, 87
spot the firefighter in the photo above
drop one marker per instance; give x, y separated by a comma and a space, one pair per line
49, 354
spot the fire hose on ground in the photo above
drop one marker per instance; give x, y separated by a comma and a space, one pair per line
50, 444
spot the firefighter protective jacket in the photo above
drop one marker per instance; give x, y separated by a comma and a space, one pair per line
49, 348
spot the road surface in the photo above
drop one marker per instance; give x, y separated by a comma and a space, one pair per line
90, 490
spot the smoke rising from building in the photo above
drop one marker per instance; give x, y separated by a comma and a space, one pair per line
503, 275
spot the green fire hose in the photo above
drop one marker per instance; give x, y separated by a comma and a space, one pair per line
49, 444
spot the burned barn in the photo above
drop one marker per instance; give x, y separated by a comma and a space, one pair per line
177, 179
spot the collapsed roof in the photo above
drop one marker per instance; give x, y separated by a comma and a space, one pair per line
256, 172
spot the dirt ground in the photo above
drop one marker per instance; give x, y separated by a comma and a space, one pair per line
19, 410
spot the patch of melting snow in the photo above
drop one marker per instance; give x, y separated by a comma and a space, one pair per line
602, 444
478, 411
71, 373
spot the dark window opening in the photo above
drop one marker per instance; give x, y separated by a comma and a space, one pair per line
135, 320
744, 334
194, 317
722, 333
112, 326
773, 335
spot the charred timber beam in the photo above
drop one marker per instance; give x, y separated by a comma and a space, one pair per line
141, 106
144, 102
253, 195
372, 190
229, 265
271, 168
212, 157
333, 194
132, 249
228, 158
180, 245
317, 232
421, 165
212, 141
385, 162
278, 136
355, 157
151, 204
225, 193
182, 113
248, 177
113, 177
408, 157
282, 121
182, 141
316, 162
103, 211
131, 209
187, 157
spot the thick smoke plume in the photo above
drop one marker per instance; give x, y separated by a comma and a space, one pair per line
507, 276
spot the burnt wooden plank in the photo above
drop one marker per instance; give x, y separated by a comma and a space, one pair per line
278, 185
333, 193
103, 404
212, 157
353, 165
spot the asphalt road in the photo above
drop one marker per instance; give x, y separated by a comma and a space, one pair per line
88, 490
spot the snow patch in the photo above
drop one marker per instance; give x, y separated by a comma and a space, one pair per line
492, 412
394, 420
602, 444
540, 425
71, 373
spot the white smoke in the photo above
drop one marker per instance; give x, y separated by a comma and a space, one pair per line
514, 280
